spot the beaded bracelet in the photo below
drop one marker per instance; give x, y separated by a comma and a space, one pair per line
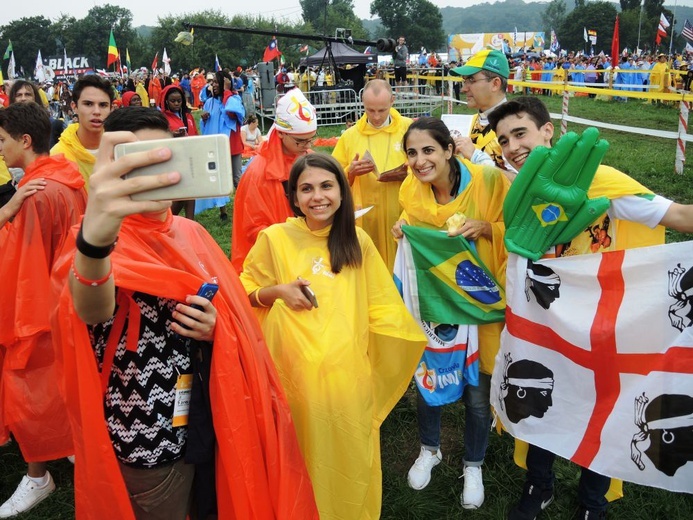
257, 298
87, 282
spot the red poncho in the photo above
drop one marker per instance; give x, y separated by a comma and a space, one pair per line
260, 469
174, 120
30, 407
260, 199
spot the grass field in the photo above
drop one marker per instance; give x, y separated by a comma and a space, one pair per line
647, 159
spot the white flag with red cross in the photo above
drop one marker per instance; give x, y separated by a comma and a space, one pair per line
596, 361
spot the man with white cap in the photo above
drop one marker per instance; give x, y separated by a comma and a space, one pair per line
261, 199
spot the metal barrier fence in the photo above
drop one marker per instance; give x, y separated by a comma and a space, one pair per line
335, 105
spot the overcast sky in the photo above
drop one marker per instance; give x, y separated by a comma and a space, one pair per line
145, 13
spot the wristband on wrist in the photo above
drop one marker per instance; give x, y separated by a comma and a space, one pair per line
85, 281
91, 251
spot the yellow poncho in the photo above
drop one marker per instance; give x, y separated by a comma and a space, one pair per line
385, 145
5, 176
343, 365
483, 192
71, 147
659, 75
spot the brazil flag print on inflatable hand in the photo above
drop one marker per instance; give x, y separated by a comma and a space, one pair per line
547, 203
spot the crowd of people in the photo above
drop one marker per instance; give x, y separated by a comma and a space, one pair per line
264, 397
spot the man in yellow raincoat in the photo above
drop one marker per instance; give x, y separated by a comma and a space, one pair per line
379, 132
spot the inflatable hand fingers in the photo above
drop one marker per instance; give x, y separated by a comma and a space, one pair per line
547, 204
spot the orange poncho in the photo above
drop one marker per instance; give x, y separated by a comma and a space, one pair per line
260, 199
260, 470
30, 407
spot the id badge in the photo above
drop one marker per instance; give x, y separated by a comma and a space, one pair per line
182, 401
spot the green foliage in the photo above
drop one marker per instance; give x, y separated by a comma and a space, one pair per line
28, 36
599, 16
653, 8
324, 16
419, 21
627, 5
553, 16
496, 17
91, 33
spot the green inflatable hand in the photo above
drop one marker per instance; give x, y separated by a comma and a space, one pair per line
547, 203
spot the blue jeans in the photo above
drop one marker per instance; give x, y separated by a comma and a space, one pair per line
477, 422
592, 488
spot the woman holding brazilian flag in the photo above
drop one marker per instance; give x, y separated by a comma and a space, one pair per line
443, 186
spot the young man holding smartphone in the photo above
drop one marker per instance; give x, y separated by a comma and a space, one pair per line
158, 344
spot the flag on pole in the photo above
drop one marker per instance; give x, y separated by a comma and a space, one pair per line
615, 43
11, 73
217, 65
66, 67
515, 37
661, 28
155, 63
112, 50
687, 31
8, 51
127, 60
39, 71
167, 63
596, 361
584, 34
272, 50
457, 285
555, 46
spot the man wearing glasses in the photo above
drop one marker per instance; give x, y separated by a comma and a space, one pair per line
261, 198
485, 78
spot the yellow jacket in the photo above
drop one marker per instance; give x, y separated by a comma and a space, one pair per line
343, 365
71, 147
482, 192
385, 145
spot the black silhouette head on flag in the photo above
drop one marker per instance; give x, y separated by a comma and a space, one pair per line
543, 282
526, 389
681, 289
667, 423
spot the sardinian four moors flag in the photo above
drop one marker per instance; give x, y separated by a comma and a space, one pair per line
448, 290
596, 361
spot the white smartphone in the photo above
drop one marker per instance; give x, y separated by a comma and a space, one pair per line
204, 163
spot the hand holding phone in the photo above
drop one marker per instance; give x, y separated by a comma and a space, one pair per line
207, 291
204, 164
204, 329
310, 294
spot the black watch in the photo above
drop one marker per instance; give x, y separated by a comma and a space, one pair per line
91, 251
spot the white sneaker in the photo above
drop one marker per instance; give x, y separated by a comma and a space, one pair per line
26, 496
473, 490
420, 473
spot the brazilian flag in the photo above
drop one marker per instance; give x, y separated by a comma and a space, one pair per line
450, 282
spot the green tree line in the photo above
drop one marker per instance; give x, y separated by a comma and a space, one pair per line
89, 36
